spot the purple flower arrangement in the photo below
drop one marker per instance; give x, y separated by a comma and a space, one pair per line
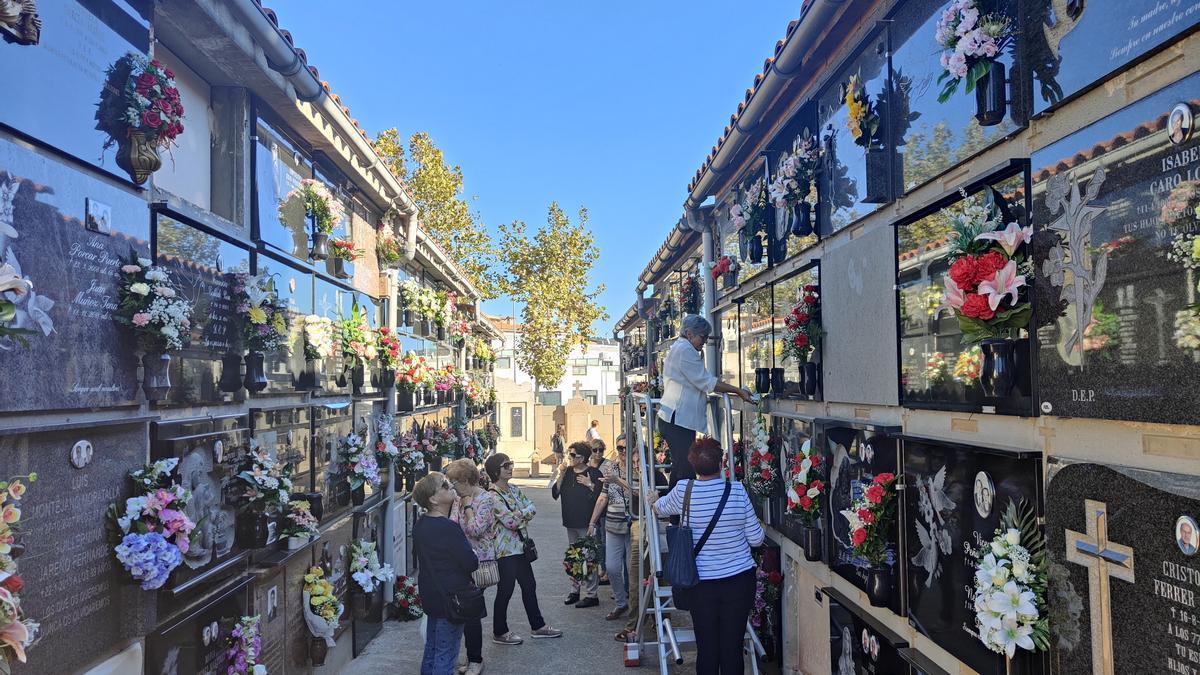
245, 646
149, 558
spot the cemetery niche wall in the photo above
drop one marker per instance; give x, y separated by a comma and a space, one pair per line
1121, 333
858, 643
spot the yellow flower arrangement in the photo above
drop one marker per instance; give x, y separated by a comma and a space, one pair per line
320, 594
257, 315
861, 117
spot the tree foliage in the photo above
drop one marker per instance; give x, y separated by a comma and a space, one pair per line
445, 215
549, 272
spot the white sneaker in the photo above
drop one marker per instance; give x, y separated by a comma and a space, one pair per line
474, 668
462, 663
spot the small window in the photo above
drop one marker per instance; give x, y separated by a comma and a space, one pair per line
549, 398
590, 395
579, 370
504, 363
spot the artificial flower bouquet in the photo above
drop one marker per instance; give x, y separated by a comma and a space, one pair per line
970, 42
724, 265
388, 348
413, 371
936, 372
805, 486
459, 331
750, 214
343, 249
412, 454
365, 568
1010, 586
266, 482
385, 432
968, 365
802, 326
300, 522
768, 589
357, 339
152, 307
319, 203
406, 600
153, 529
245, 648
12, 281
764, 467
445, 380
862, 114
359, 465
988, 269
870, 517
388, 250
142, 98
17, 631
419, 299
322, 609
797, 169
318, 337
582, 559
265, 319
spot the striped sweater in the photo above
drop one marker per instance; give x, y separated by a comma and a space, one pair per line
727, 551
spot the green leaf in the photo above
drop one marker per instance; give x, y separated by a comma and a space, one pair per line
978, 70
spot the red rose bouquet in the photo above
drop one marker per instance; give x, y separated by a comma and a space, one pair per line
870, 516
764, 462
986, 286
140, 97
406, 601
805, 486
802, 327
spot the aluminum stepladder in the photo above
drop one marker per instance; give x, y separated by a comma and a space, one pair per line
655, 600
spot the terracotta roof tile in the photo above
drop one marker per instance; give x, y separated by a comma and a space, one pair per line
287, 36
316, 73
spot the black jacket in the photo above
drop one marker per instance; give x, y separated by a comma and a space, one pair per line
445, 561
577, 500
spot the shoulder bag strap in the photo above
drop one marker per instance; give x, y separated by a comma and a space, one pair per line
712, 524
687, 503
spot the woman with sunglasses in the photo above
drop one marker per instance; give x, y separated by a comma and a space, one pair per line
514, 510
445, 562
686, 386
577, 488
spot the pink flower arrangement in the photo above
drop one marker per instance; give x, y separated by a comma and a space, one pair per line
970, 42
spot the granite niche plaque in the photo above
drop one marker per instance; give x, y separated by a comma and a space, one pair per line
1116, 292
74, 586
952, 502
330, 424
853, 454
1124, 574
859, 644
197, 641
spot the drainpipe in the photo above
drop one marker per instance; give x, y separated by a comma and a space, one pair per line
785, 67
695, 221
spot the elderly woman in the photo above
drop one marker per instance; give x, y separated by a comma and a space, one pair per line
721, 603
474, 512
686, 386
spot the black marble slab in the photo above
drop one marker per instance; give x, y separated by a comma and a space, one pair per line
368, 525
795, 434
330, 423
853, 454
858, 643
953, 499
74, 586
1144, 583
295, 288
287, 431
1125, 344
197, 641
1074, 45
333, 555
53, 88
74, 272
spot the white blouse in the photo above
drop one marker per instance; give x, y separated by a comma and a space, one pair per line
686, 386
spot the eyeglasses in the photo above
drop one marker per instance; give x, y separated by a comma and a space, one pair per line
447, 486
621, 448
572, 455
506, 465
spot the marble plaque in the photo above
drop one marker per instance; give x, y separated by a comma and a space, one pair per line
298, 636
854, 454
1073, 45
74, 586
858, 646
333, 555
330, 423
52, 89
1117, 287
368, 525
74, 272
795, 433
295, 287
288, 433
269, 596
197, 641
953, 499
1124, 575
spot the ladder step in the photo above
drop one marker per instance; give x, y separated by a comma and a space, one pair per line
685, 636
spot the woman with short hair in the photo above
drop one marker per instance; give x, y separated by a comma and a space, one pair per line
721, 603
578, 486
474, 512
513, 511
686, 386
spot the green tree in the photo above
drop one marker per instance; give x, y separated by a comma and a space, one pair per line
549, 272
445, 215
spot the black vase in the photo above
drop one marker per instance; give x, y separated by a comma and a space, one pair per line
253, 530
998, 373
990, 96
777, 383
388, 378
316, 504
441, 333
441, 397
729, 280
877, 175
811, 375
320, 246
256, 377
406, 317
756, 249
358, 375
156, 379
811, 541
310, 378
435, 463
341, 493
317, 651
342, 268
762, 380
879, 586
358, 495
405, 400
802, 219
231, 373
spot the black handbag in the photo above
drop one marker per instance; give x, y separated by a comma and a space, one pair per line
682, 593
461, 606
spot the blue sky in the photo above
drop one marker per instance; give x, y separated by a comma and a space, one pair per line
610, 105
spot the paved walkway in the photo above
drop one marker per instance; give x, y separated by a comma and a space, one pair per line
587, 645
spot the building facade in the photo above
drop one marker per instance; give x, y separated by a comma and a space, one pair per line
267, 168
989, 295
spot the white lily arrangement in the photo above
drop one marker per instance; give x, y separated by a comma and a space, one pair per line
318, 337
365, 568
1010, 586
794, 179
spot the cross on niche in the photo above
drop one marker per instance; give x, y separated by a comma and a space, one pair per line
1103, 559
578, 389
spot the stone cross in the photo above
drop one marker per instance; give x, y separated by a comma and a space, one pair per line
1158, 301
578, 390
1103, 559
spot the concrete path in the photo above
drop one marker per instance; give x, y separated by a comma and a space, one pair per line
587, 645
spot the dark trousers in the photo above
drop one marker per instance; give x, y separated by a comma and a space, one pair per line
719, 611
473, 636
515, 569
679, 440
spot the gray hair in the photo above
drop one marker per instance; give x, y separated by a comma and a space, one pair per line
696, 326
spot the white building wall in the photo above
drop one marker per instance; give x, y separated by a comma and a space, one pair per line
594, 371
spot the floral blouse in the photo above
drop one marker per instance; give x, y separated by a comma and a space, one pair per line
480, 528
513, 512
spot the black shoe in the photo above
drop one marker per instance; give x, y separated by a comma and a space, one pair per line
605, 581
587, 602
571, 599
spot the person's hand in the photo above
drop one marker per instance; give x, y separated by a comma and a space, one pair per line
583, 480
591, 529
746, 395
